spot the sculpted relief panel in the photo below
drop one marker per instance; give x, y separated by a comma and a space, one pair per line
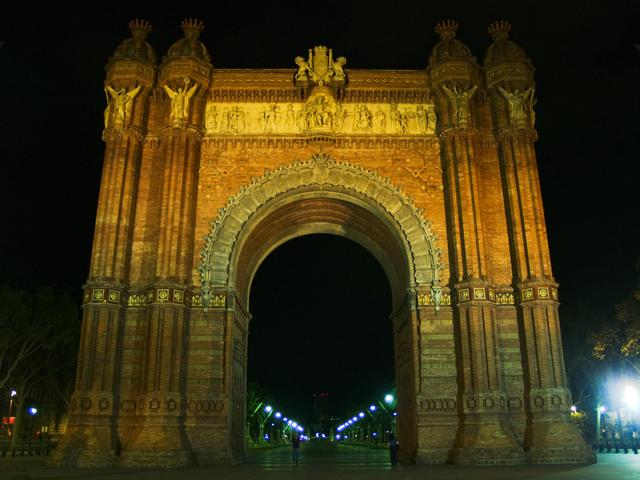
321, 114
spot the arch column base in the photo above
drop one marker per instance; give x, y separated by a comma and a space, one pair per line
85, 446
487, 440
554, 439
436, 436
210, 446
159, 446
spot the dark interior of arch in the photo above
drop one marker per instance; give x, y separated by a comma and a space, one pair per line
320, 307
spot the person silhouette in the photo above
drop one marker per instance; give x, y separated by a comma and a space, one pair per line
393, 449
295, 444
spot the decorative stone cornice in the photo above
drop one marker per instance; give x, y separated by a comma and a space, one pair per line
131, 69
336, 141
469, 292
537, 291
510, 132
112, 134
102, 295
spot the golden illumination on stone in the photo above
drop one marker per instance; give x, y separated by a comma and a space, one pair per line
207, 170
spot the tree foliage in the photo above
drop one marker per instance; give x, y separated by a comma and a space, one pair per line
40, 331
619, 340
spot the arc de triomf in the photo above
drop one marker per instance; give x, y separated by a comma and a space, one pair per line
208, 170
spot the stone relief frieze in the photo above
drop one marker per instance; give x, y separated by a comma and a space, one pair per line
321, 113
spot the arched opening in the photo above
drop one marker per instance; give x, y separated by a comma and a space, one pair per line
338, 212
321, 196
320, 339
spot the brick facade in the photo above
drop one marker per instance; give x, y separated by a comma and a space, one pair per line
206, 170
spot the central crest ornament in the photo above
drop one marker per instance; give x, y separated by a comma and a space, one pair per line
320, 68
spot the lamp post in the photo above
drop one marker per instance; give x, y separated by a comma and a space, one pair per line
632, 400
600, 409
12, 394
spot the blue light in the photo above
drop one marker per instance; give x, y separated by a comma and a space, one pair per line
338, 437
268, 409
278, 414
285, 419
388, 398
294, 424
33, 411
300, 429
372, 408
355, 419
361, 415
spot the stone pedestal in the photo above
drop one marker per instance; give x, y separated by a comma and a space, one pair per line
159, 446
486, 439
85, 446
554, 438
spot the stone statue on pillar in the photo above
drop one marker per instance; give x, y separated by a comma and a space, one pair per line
518, 103
460, 103
119, 106
180, 100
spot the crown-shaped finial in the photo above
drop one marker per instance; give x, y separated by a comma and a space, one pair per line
192, 27
499, 30
446, 29
139, 27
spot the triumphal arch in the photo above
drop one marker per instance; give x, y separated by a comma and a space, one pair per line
207, 170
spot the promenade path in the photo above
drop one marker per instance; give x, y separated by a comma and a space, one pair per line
332, 462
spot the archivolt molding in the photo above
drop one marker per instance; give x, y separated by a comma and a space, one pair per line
322, 171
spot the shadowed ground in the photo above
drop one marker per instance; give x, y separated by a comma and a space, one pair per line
328, 461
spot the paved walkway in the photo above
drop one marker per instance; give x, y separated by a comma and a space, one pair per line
332, 462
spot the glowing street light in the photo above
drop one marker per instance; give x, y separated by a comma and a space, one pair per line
631, 397
12, 394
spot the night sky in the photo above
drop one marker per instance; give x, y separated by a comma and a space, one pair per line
588, 88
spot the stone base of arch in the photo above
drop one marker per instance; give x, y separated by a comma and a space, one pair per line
88, 445
554, 439
159, 443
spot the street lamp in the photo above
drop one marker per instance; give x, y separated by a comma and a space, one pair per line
632, 401
631, 397
12, 394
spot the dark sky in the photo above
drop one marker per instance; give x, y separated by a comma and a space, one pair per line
588, 87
